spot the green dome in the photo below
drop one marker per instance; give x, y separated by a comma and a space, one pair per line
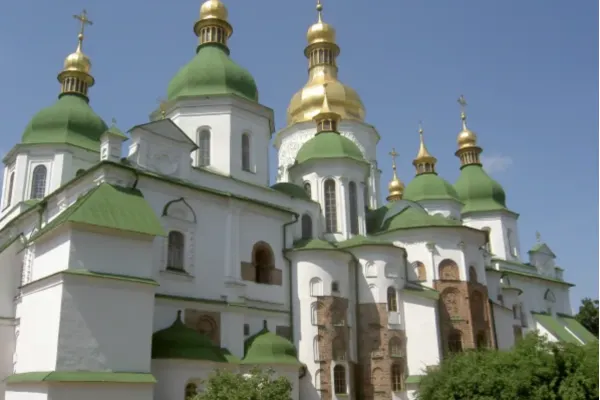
212, 72
329, 145
429, 186
478, 191
69, 120
292, 190
182, 342
268, 348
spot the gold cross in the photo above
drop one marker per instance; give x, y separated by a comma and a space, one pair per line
538, 237
84, 21
463, 103
114, 121
393, 154
319, 9
420, 128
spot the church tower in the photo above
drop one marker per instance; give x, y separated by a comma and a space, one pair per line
322, 53
215, 102
60, 141
484, 199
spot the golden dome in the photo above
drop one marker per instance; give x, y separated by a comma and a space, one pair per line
396, 186
466, 138
213, 9
307, 102
322, 52
78, 61
423, 155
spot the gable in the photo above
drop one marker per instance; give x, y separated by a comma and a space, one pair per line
542, 248
166, 129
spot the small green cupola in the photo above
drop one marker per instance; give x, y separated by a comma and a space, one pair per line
427, 184
475, 188
182, 342
328, 143
70, 120
266, 347
212, 71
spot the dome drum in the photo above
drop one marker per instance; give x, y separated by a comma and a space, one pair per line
213, 30
316, 47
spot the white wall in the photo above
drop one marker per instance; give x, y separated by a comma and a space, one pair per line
422, 333
503, 323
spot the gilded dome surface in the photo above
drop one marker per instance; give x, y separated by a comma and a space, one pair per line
213, 9
343, 100
77, 61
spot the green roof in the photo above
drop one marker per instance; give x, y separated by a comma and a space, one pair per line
408, 218
359, 240
421, 291
312, 244
478, 191
182, 342
538, 247
115, 131
328, 145
292, 190
110, 207
81, 377
556, 327
429, 186
579, 330
212, 72
69, 120
265, 347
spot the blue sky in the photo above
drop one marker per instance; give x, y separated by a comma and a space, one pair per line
529, 71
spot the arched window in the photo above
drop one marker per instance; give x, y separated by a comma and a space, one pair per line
510, 242
420, 271
550, 300
190, 391
306, 227
477, 306
204, 148
208, 327
262, 257
397, 378
353, 197
38, 182
392, 300
366, 195
11, 183
481, 340
395, 347
370, 269
318, 376
451, 300
330, 206
314, 312
488, 242
455, 341
335, 287
316, 350
176, 251
376, 377
448, 270
338, 349
308, 189
472, 274
339, 379
246, 152
79, 172
316, 287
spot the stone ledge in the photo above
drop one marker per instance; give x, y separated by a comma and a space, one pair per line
81, 377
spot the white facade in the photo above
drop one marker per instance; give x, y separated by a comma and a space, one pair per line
82, 295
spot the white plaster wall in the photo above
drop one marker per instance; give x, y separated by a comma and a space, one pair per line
105, 324
7, 349
52, 253
227, 119
326, 267
422, 333
127, 256
534, 291
381, 268
27, 392
342, 172
498, 223
40, 311
289, 140
102, 391
503, 323
10, 279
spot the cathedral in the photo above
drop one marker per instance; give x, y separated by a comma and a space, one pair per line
134, 264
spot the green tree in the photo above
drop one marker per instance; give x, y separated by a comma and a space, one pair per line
256, 385
535, 370
588, 315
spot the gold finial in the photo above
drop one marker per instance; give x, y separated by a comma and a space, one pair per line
162, 106
538, 237
424, 162
395, 187
319, 11
212, 26
84, 20
114, 121
75, 76
468, 151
